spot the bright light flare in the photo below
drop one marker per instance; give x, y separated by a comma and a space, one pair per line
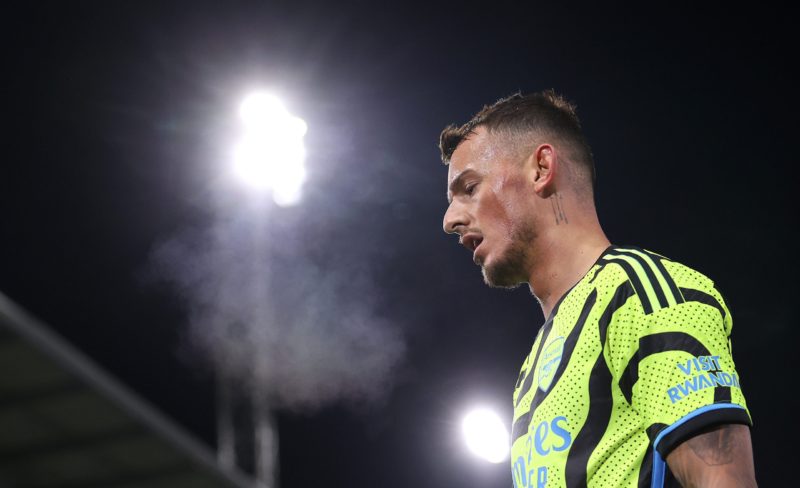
271, 154
486, 435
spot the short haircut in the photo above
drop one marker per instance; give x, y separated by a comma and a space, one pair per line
536, 116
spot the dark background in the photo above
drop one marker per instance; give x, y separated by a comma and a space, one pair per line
117, 119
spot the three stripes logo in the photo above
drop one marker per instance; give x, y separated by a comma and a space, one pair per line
654, 286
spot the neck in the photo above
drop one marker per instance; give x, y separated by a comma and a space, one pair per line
563, 256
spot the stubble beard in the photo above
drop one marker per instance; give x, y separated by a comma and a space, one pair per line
510, 270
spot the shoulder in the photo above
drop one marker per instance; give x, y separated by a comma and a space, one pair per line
656, 281
647, 274
653, 299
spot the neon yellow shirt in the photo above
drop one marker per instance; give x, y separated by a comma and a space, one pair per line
633, 359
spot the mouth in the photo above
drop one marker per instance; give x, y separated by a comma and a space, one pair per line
472, 242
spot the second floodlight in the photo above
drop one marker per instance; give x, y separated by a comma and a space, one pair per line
486, 435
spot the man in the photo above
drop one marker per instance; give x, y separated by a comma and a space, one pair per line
630, 381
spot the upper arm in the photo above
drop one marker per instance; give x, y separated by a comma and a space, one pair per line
674, 368
720, 456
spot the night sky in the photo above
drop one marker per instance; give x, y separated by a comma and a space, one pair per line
119, 121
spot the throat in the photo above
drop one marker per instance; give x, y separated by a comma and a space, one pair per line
559, 273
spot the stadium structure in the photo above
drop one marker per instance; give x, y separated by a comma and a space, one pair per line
66, 423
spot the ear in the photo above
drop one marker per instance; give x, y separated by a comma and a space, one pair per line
544, 163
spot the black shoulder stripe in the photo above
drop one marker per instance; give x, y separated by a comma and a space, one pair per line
692, 295
649, 274
637, 285
658, 260
652, 273
654, 344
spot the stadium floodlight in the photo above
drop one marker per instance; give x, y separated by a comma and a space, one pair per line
271, 154
486, 435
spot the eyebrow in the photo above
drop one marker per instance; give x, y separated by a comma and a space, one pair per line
458, 182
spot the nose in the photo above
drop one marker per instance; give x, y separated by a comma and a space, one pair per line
455, 218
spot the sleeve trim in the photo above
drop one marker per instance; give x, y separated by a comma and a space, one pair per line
718, 413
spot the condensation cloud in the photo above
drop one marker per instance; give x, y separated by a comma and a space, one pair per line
287, 308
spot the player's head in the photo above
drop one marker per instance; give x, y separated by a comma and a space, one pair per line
512, 167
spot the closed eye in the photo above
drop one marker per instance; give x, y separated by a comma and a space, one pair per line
463, 184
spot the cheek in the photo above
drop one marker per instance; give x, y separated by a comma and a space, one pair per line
498, 217
512, 198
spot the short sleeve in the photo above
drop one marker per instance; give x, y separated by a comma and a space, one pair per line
679, 374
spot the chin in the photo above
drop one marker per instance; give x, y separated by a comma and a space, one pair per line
501, 275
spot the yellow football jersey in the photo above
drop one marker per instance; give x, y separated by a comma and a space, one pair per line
633, 359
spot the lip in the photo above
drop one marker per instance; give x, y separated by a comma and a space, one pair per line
475, 258
472, 241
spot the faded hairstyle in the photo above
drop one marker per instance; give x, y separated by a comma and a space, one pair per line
534, 117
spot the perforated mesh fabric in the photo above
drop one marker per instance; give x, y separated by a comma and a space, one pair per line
636, 345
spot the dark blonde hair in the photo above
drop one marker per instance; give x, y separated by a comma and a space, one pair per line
536, 115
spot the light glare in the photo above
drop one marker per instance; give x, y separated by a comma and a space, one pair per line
261, 110
270, 154
486, 435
